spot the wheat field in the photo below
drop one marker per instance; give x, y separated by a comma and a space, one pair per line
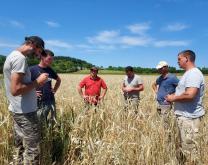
108, 135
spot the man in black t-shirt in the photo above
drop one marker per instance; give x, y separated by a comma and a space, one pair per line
45, 93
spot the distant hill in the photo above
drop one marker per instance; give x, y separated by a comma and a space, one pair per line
61, 64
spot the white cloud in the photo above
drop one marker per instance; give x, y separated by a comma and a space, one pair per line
52, 24
112, 39
176, 27
139, 28
83, 46
100, 48
58, 43
166, 43
135, 41
106, 37
115, 38
16, 24
7, 45
105, 47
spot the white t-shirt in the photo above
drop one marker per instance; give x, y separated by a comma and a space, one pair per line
192, 109
132, 82
16, 62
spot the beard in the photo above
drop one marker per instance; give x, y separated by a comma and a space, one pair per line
31, 53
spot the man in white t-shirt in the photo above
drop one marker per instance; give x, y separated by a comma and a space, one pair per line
188, 102
132, 86
20, 91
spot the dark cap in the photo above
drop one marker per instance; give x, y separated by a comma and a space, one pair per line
94, 68
49, 52
37, 41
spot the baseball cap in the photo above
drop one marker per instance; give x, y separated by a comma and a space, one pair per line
38, 42
161, 64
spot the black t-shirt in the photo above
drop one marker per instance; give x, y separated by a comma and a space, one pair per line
47, 95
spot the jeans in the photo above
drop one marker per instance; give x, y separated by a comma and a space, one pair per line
44, 110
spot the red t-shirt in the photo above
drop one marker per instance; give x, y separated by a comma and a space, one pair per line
92, 86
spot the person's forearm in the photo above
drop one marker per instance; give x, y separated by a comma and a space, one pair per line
23, 88
138, 89
154, 87
123, 87
18, 87
183, 97
104, 93
79, 89
57, 85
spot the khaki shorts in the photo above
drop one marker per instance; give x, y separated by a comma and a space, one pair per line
132, 103
163, 109
189, 133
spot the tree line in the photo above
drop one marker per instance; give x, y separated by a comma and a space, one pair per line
61, 64
64, 64
153, 70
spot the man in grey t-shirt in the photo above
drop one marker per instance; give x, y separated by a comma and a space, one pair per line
132, 85
20, 91
188, 102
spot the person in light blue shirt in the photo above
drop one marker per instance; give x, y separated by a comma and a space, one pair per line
188, 102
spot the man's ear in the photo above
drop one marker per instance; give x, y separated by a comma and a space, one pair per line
186, 59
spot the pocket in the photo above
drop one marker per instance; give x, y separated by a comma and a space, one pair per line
196, 125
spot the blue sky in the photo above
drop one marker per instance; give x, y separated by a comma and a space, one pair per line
110, 32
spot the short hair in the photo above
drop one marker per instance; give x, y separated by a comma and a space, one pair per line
188, 53
37, 41
129, 68
94, 68
49, 52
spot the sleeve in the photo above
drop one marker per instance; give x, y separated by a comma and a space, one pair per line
82, 83
124, 80
103, 84
33, 74
139, 80
175, 81
158, 81
19, 65
54, 75
193, 80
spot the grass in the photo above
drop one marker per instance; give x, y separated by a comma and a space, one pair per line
109, 136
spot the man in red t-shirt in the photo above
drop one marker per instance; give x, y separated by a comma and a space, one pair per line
92, 84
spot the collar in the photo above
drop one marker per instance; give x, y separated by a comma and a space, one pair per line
94, 78
165, 76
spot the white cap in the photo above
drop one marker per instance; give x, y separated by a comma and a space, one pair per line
161, 64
